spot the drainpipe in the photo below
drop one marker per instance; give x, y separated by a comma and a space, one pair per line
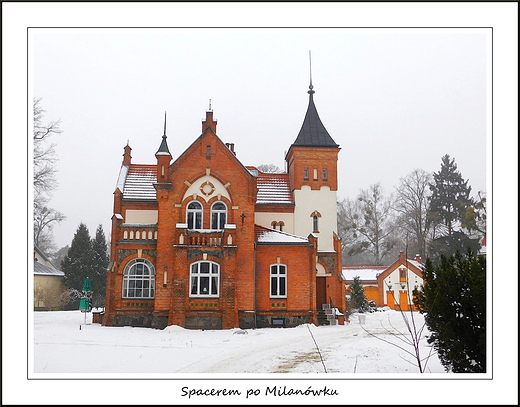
254, 284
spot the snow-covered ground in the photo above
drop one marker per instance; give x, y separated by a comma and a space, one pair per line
306, 365
61, 348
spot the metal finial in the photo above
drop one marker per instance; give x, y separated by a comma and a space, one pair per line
164, 124
210, 105
311, 91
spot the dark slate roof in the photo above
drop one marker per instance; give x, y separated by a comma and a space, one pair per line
273, 189
44, 270
313, 133
163, 148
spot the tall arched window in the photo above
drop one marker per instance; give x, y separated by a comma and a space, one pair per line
139, 279
204, 279
278, 281
194, 214
315, 216
218, 215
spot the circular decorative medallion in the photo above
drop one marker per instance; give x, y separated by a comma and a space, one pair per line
207, 188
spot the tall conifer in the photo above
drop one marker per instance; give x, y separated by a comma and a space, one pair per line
99, 266
77, 264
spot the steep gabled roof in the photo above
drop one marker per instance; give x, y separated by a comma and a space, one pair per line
138, 182
273, 188
313, 133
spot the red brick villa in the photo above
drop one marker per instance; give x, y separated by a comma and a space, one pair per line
204, 242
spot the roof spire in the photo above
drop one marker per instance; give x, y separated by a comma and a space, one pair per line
164, 134
310, 91
163, 148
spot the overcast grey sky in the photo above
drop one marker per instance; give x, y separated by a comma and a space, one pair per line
394, 99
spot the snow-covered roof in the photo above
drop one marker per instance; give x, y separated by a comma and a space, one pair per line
418, 264
43, 270
273, 189
366, 273
271, 236
138, 182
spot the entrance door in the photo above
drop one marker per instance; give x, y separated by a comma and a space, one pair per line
321, 292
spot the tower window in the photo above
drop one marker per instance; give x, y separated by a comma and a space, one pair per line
315, 228
315, 174
306, 174
324, 174
208, 152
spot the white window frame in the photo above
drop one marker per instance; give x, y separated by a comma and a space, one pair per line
198, 276
279, 279
141, 283
194, 212
218, 212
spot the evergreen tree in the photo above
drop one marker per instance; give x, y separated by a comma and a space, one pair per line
99, 266
448, 205
358, 297
78, 263
453, 301
450, 196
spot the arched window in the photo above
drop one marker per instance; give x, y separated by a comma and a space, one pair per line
218, 215
139, 279
315, 215
194, 214
278, 281
204, 279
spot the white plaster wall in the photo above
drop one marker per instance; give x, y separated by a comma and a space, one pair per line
194, 188
267, 218
140, 217
325, 202
393, 280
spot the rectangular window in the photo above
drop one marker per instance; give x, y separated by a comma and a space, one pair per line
278, 281
306, 174
324, 174
402, 275
204, 279
315, 174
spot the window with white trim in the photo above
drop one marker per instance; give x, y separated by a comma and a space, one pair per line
218, 215
278, 281
194, 215
139, 279
204, 279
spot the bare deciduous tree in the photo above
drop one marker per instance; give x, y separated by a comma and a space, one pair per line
412, 204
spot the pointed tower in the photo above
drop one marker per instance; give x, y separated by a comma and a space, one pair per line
163, 158
312, 167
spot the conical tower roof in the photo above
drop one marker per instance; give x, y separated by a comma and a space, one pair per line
313, 133
163, 148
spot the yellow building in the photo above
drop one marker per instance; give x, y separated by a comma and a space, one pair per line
48, 284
